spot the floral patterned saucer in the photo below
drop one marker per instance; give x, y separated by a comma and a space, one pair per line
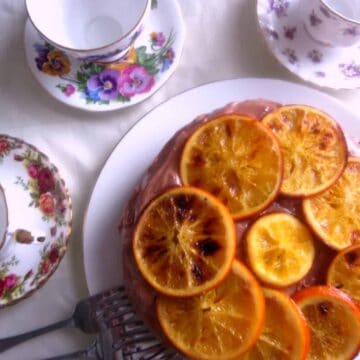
39, 217
281, 23
102, 87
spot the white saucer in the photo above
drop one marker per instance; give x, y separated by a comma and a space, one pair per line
282, 27
149, 65
39, 219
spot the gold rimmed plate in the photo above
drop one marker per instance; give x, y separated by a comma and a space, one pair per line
36, 219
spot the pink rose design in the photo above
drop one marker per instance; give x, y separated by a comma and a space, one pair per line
45, 266
10, 281
2, 287
4, 145
135, 79
47, 204
46, 180
33, 170
54, 255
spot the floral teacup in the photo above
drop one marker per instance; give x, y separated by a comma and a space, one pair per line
96, 30
333, 22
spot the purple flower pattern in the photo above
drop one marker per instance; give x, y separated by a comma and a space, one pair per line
289, 32
42, 53
351, 70
315, 56
314, 19
271, 33
291, 56
104, 85
280, 7
134, 80
157, 39
320, 74
287, 29
167, 60
351, 31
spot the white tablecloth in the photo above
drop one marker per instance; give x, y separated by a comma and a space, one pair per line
222, 43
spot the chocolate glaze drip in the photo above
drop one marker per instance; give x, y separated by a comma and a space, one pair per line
164, 174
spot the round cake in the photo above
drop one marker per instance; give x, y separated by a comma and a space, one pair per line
164, 174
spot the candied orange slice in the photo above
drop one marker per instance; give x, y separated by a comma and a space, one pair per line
313, 146
220, 324
344, 272
334, 322
280, 249
285, 334
334, 215
184, 242
237, 159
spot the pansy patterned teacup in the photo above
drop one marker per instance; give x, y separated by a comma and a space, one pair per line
90, 30
333, 22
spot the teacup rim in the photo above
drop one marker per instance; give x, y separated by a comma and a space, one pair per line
343, 17
2, 240
69, 49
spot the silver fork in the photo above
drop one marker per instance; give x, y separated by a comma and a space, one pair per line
123, 333
87, 316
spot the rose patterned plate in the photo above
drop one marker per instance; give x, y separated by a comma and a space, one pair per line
39, 213
98, 87
281, 24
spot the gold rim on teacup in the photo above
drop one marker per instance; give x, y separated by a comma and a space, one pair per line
111, 49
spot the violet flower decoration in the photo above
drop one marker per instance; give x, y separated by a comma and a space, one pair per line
42, 53
135, 79
314, 19
157, 38
279, 6
103, 86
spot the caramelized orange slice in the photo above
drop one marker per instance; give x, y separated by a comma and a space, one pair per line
344, 272
285, 334
184, 242
334, 322
220, 324
280, 249
335, 214
313, 146
237, 159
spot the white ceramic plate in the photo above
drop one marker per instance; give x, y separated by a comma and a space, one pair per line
138, 148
